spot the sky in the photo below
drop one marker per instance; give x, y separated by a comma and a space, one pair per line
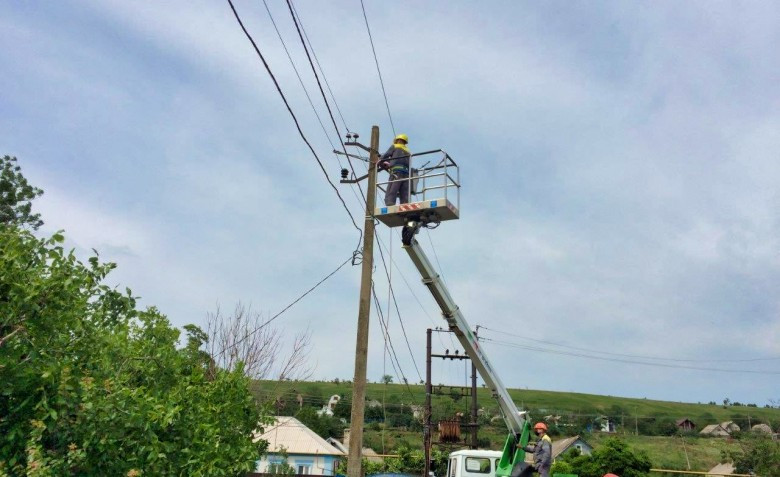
619, 166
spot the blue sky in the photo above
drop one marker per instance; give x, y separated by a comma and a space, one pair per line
619, 163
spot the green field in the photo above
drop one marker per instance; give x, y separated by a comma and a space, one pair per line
628, 410
577, 411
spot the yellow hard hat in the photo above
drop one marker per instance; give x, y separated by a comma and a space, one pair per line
402, 137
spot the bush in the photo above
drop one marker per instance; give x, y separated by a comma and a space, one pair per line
613, 456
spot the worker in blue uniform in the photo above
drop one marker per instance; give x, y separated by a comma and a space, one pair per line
396, 162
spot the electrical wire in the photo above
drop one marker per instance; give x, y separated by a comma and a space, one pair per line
619, 360
379, 72
398, 312
383, 323
322, 92
295, 119
414, 295
300, 80
308, 97
301, 297
322, 71
638, 356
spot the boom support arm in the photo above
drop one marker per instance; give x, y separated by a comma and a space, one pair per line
518, 426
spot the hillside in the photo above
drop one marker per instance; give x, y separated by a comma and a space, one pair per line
645, 424
631, 412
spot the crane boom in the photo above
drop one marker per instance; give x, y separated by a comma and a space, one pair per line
511, 462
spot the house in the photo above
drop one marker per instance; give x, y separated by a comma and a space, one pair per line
327, 409
368, 453
307, 453
685, 424
724, 429
561, 446
721, 469
730, 426
763, 428
714, 430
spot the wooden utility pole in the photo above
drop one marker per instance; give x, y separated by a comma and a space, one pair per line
354, 462
474, 427
428, 389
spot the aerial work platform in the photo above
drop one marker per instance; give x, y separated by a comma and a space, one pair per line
433, 210
434, 193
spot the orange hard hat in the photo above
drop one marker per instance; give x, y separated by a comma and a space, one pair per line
540, 425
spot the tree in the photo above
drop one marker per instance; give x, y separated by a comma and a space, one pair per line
16, 196
613, 456
282, 467
325, 426
246, 337
94, 386
387, 379
758, 455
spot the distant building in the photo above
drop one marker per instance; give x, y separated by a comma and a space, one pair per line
327, 409
721, 469
685, 424
368, 453
762, 428
561, 446
307, 453
724, 429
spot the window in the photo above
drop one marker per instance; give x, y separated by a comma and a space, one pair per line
480, 465
453, 467
304, 469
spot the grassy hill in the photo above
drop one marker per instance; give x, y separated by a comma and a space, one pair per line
631, 411
390, 424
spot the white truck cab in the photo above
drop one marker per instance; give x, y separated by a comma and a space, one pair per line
473, 463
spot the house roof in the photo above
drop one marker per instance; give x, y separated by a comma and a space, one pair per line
722, 469
562, 445
559, 446
680, 421
296, 438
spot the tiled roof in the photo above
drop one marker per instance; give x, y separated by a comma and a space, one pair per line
296, 438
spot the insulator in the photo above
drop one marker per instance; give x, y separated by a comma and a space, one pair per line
344, 173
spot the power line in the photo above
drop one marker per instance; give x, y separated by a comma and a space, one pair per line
383, 323
376, 60
300, 80
414, 295
398, 312
295, 119
660, 358
322, 92
268, 321
322, 71
311, 103
619, 360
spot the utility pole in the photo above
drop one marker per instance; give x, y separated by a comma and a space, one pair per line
354, 459
428, 390
474, 439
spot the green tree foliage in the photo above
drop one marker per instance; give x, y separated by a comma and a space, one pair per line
16, 196
93, 386
325, 426
758, 455
282, 467
613, 456
409, 460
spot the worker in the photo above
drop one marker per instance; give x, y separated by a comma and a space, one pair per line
396, 162
542, 450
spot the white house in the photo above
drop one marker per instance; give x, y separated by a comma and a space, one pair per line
307, 453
